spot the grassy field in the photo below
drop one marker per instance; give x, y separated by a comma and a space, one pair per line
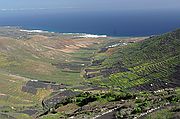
107, 72
45, 57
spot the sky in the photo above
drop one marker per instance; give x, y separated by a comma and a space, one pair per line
89, 4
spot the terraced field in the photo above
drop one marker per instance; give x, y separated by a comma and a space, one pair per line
147, 65
53, 58
52, 75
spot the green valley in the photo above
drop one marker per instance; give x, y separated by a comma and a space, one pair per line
53, 75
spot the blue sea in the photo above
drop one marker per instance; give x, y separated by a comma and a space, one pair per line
111, 23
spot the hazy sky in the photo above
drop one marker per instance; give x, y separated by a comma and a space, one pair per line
89, 4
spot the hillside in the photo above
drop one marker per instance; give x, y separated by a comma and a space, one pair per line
35, 65
151, 64
52, 75
137, 78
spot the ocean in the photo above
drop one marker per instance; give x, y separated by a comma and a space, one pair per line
111, 23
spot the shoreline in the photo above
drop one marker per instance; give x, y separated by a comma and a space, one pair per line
87, 35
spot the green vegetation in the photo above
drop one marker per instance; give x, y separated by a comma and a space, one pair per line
129, 75
85, 98
45, 57
168, 113
153, 59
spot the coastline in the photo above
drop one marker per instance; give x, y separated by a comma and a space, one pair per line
82, 34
